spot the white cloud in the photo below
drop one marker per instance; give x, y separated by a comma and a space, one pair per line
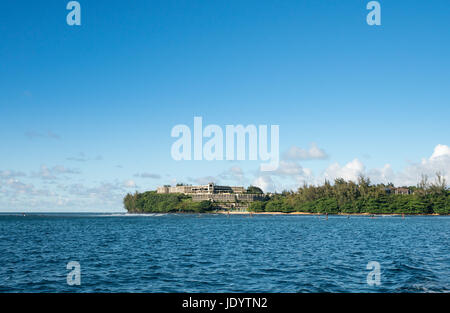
19, 186
52, 173
18, 191
290, 174
11, 174
438, 162
59, 169
129, 183
313, 153
350, 171
235, 174
288, 169
236, 170
81, 157
147, 175
265, 183
384, 175
440, 151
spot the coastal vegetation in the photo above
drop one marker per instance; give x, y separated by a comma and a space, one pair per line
341, 197
348, 197
254, 190
152, 202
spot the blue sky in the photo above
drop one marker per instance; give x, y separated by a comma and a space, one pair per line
86, 111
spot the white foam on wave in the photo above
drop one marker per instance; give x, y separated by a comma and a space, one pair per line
144, 214
130, 214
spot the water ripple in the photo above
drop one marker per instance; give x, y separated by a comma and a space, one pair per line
216, 253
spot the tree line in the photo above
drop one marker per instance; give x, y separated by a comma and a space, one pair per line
340, 197
153, 202
360, 197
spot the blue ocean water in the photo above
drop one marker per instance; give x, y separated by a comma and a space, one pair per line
216, 253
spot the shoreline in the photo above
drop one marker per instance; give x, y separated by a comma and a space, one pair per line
318, 214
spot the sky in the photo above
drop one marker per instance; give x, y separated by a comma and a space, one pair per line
86, 112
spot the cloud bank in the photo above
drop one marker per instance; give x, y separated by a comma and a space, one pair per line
437, 162
59, 187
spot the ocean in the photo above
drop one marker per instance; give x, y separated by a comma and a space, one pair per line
219, 253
